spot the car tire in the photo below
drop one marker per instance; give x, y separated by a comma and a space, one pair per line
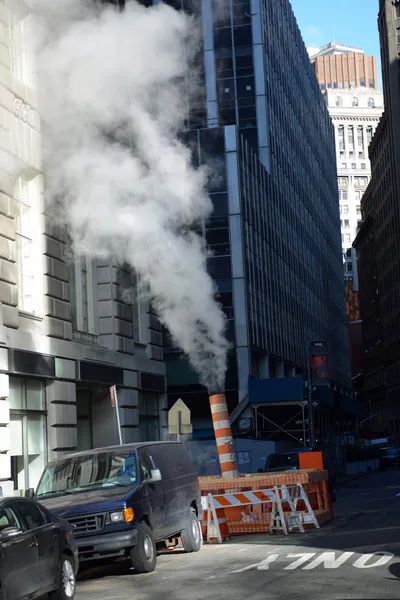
66, 580
191, 536
144, 554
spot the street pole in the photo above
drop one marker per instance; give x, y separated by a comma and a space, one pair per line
310, 403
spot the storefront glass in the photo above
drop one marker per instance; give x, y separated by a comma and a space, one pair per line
28, 431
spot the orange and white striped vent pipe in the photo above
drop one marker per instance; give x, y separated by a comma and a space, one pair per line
223, 435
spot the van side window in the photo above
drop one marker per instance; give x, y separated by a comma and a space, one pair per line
146, 463
174, 460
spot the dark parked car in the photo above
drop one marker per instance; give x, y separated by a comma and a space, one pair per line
38, 554
289, 460
125, 499
389, 458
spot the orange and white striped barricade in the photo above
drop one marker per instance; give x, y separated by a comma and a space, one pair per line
297, 494
216, 525
212, 504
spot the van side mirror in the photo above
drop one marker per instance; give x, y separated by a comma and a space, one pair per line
9, 532
29, 493
155, 476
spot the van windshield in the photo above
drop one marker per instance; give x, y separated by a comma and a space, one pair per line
91, 471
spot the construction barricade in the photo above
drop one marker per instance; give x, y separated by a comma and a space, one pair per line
302, 494
276, 518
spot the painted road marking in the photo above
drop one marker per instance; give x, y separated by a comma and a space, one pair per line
385, 557
301, 559
329, 560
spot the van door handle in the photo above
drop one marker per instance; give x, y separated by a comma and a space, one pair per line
33, 545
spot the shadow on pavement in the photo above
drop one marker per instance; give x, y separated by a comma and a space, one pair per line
369, 522
121, 567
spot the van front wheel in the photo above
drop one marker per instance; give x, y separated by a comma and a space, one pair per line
191, 536
143, 555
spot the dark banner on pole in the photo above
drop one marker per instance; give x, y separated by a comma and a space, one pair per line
319, 364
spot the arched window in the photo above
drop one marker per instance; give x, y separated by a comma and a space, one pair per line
339, 101
371, 102
355, 101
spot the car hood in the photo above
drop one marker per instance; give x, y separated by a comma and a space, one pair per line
81, 503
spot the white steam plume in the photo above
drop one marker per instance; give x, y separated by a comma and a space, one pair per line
112, 98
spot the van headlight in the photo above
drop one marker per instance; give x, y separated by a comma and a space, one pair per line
117, 517
121, 516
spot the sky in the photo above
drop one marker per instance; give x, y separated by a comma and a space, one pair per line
351, 22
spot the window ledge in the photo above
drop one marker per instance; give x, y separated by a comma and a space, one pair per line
140, 344
29, 315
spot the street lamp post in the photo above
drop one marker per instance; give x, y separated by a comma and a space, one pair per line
309, 382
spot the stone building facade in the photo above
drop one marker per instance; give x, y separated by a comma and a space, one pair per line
70, 327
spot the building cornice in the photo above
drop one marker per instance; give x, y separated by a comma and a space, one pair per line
354, 118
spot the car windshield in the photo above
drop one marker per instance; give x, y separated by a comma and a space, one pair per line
91, 471
282, 460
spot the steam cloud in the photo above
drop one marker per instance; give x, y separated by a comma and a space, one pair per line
113, 99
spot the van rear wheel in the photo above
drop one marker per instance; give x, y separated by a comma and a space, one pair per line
144, 555
191, 536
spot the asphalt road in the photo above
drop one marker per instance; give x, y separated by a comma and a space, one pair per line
356, 557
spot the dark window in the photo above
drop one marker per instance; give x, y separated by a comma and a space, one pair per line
217, 181
146, 463
245, 86
218, 223
9, 518
230, 332
31, 515
227, 116
223, 38
174, 461
224, 67
217, 236
219, 267
247, 115
220, 203
242, 36
250, 134
212, 142
225, 299
244, 65
225, 89
241, 13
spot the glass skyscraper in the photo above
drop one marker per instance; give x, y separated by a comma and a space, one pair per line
262, 123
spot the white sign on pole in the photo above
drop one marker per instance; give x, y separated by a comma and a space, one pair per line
114, 404
179, 419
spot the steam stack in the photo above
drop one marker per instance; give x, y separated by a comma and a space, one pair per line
223, 435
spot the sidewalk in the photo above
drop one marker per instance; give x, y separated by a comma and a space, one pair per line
350, 478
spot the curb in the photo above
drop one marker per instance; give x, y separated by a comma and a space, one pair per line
355, 477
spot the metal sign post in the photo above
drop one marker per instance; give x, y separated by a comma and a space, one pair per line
179, 420
114, 404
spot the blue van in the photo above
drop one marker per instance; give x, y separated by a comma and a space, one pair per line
124, 500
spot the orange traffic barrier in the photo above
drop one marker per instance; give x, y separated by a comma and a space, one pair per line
257, 518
